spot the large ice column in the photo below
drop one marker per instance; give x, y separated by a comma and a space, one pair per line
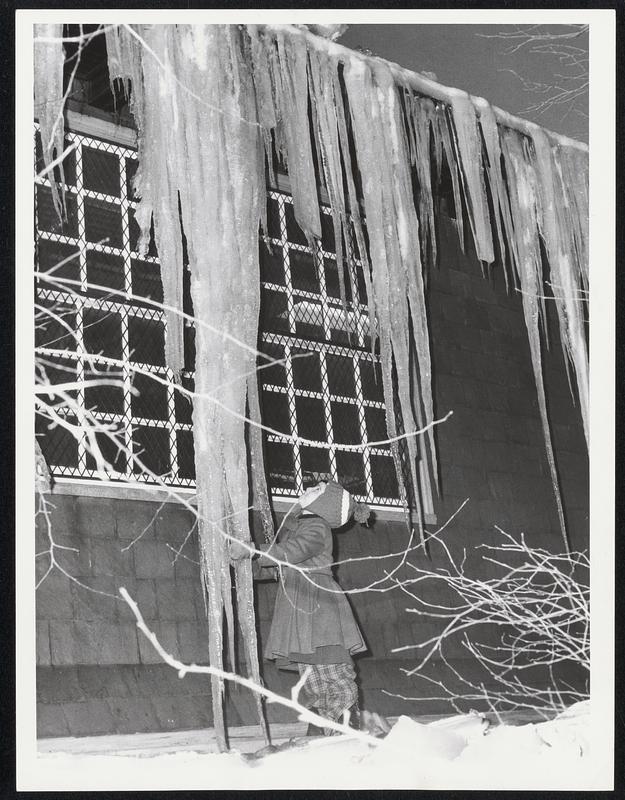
200, 152
151, 89
393, 230
495, 179
568, 275
525, 205
49, 58
469, 148
291, 97
420, 114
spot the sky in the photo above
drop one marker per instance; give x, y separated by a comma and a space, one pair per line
462, 57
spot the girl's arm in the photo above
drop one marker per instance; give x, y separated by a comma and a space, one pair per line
307, 542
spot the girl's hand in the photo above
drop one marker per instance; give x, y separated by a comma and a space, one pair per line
239, 551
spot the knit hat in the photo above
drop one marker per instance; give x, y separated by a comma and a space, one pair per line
336, 506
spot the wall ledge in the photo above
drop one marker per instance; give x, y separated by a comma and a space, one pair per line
140, 491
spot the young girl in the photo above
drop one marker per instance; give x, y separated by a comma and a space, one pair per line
313, 624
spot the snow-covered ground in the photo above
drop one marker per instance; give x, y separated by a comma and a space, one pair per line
456, 752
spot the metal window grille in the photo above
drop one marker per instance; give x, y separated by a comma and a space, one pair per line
328, 389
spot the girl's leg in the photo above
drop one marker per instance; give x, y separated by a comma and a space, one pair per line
337, 690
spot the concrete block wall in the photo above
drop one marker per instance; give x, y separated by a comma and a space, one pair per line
98, 674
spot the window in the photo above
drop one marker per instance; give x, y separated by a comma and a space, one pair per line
328, 388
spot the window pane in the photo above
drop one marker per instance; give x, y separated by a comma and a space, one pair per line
341, 375
310, 419
275, 408
54, 323
135, 233
271, 264
187, 300
315, 464
58, 445
383, 477
333, 286
186, 455
273, 218
105, 270
273, 311
351, 472
151, 400
131, 170
103, 222
306, 370
303, 272
102, 333
183, 402
327, 233
56, 370
188, 335
146, 338
100, 171
113, 454
371, 378
362, 286
375, 419
308, 318
293, 230
48, 219
146, 280
151, 447
104, 397
345, 423
279, 463
275, 374
69, 162
61, 259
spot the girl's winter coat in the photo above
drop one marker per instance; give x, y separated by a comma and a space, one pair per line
312, 620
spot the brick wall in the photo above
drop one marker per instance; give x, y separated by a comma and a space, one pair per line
96, 672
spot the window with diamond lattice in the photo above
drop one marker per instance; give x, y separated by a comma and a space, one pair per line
98, 318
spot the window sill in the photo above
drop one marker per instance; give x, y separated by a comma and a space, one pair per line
141, 491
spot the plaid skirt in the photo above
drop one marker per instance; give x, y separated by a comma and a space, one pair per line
331, 689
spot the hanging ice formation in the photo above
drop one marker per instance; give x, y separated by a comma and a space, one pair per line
211, 104
200, 150
49, 59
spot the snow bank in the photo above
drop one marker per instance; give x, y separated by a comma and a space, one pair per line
458, 752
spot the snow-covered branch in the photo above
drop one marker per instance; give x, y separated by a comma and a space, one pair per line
304, 714
533, 612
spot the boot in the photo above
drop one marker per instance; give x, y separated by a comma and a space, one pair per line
314, 730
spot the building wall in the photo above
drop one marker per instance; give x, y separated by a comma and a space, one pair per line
98, 674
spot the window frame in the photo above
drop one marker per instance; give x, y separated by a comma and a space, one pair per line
101, 135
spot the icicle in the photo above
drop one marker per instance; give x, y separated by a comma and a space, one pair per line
556, 226
442, 135
354, 207
523, 201
490, 132
264, 94
420, 113
470, 158
243, 578
392, 227
293, 104
201, 156
259, 484
324, 103
49, 59
161, 194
